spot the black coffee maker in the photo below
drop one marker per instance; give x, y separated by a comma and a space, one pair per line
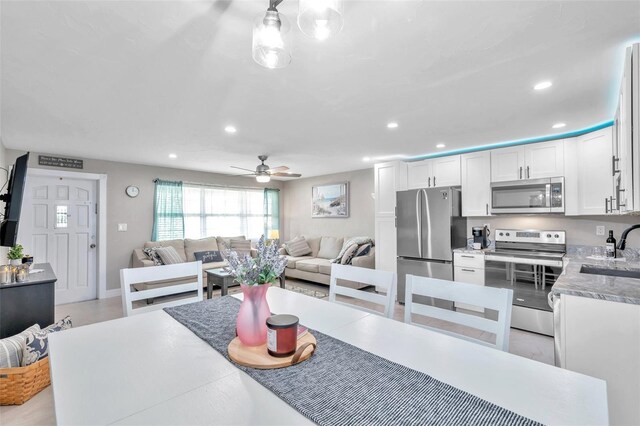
480, 234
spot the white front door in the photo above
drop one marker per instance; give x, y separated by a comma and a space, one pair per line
58, 226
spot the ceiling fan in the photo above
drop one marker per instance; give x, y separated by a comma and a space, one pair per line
263, 173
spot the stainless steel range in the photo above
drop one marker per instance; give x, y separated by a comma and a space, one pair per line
529, 262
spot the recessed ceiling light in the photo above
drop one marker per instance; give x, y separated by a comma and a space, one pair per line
559, 125
173, 156
230, 129
392, 125
366, 159
543, 85
440, 145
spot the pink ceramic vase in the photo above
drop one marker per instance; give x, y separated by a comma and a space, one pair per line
251, 325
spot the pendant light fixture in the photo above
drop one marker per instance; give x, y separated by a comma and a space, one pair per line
320, 19
272, 38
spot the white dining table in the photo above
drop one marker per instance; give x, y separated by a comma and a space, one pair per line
150, 369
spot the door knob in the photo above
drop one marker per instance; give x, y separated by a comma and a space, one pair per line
92, 246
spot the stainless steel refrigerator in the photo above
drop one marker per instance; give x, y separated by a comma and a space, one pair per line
430, 225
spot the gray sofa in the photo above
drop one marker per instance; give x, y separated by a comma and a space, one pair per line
316, 267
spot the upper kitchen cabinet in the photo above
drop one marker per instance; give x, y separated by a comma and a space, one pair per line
626, 143
544, 160
533, 161
432, 173
388, 178
476, 183
507, 164
588, 176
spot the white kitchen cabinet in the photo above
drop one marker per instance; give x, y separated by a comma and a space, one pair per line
434, 173
544, 159
386, 244
469, 268
533, 161
601, 338
476, 183
626, 151
507, 164
446, 171
419, 174
388, 179
588, 176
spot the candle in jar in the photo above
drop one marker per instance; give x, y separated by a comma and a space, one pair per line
282, 335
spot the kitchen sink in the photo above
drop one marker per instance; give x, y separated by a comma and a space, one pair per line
614, 272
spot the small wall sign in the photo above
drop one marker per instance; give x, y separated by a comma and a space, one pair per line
69, 163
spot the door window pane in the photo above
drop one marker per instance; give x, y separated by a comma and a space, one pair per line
62, 217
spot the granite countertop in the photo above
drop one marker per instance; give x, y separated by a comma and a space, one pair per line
472, 251
604, 287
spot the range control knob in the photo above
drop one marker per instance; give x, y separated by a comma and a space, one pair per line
557, 236
548, 235
507, 234
502, 234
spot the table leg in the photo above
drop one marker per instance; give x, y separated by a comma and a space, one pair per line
282, 280
224, 286
209, 287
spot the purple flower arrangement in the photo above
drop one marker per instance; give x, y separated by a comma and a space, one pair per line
264, 268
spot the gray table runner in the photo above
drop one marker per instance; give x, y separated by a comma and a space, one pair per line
344, 385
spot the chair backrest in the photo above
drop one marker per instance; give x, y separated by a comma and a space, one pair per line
497, 299
178, 272
381, 279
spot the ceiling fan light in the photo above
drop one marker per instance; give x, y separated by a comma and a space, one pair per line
263, 178
271, 46
320, 19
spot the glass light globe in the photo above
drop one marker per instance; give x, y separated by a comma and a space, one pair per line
271, 40
263, 178
320, 19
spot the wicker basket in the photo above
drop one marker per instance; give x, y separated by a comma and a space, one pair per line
18, 385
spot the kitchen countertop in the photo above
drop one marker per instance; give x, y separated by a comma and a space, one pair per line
472, 251
604, 287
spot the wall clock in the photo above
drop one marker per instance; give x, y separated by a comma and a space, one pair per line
132, 191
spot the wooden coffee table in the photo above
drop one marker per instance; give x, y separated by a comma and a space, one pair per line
219, 277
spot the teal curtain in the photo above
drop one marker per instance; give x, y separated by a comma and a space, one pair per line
272, 213
168, 217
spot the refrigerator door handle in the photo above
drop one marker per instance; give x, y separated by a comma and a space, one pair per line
426, 209
418, 222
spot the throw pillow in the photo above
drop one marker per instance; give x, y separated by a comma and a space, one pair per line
36, 346
241, 246
208, 256
191, 247
169, 255
363, 250
330, 247
297, 247
11, 350
349, 254
152, 254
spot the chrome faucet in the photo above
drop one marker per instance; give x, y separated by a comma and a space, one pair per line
623, 239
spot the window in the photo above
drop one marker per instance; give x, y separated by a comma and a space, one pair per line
211, 211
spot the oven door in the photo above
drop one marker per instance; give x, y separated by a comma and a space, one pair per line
530, 196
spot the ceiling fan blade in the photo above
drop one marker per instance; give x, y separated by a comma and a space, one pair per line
278, 169
291, 175
242, 168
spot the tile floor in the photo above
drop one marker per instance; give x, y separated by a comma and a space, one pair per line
40, 410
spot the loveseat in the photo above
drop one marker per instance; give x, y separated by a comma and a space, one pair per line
316, 266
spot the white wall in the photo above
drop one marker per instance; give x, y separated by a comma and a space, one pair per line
137, 212
580, 230
297, 207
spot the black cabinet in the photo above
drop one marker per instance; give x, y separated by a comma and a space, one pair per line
28, 303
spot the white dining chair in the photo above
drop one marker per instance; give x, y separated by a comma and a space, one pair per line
497, 299
384, 280
179, 272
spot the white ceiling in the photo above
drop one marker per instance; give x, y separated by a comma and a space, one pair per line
136, 80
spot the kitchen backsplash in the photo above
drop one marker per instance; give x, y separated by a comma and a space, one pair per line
580, 230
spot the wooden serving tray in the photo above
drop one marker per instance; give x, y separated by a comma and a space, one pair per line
258, 357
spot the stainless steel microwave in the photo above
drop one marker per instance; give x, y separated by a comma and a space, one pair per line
528, 196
